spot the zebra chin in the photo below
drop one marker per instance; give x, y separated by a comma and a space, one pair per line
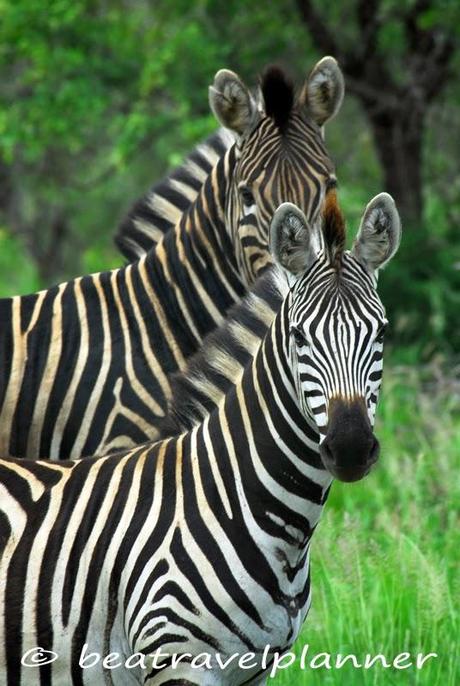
350, 448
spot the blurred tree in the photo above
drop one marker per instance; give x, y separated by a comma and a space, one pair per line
69, 83
396, 64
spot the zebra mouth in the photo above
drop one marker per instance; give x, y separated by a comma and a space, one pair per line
349, 470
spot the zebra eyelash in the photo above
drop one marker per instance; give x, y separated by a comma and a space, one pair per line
299, 338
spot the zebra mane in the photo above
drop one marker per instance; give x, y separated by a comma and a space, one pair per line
158, 210
224, 354
334, 228
278, 95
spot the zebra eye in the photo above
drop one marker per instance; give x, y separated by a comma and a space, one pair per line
299, 338
247, 196
381, 333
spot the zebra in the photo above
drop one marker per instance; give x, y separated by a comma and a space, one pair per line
97, 562
87, 364
162, 207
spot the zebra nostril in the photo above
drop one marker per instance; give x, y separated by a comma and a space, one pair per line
375, 450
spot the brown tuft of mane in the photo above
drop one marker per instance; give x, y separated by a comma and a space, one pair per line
334, 226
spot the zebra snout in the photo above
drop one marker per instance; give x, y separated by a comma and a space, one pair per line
350, 448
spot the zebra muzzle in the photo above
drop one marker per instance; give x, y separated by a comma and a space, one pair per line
350, 447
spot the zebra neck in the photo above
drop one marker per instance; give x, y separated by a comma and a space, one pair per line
266, 453
193, 269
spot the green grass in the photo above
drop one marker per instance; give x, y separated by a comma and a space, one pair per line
385, 559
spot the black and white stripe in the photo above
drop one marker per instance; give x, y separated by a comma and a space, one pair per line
162, 207
86, 364
95, 552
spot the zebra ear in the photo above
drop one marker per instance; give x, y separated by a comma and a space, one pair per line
379, 234
232, 103
323, 91
291, 239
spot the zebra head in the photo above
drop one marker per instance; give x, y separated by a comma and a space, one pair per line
336, 325
279, 152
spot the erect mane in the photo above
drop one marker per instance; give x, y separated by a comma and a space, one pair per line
278, 94
167, 200
334, 227
224, 354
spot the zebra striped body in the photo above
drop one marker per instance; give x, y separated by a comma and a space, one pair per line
86, 364
198, 543
162, 207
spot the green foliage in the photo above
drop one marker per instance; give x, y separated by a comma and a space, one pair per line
17, 273
421, 289
69, 61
